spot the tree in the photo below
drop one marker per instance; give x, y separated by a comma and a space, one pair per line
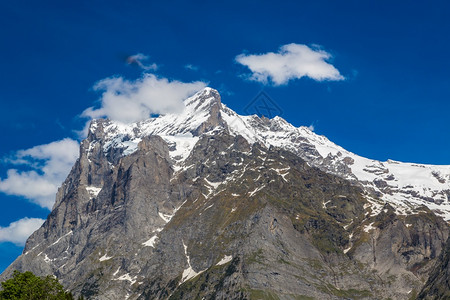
27, 286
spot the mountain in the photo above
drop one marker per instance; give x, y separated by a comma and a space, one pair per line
211, 204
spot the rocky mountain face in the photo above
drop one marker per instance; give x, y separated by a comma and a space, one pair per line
438, 284
208, 204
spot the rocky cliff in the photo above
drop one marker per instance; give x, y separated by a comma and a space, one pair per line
438, 284
209, 204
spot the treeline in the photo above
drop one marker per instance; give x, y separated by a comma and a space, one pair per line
27, 286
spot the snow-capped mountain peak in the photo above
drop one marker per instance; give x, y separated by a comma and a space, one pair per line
171, 206
406, 186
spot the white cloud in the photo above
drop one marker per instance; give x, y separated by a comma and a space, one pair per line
82, 134
292, 61
48, 166
131, 101
17, 232
139, 59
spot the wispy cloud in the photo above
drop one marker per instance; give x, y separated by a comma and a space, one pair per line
131, 101
46, 168
292, 61
223, 90
140, 61
191, 67
17, 232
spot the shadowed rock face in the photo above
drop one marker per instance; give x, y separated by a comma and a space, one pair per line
233, 220
438, 284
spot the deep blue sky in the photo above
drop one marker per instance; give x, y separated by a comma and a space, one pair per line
393, 104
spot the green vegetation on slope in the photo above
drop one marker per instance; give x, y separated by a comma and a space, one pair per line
27, 286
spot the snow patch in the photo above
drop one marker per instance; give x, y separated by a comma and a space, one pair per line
151, 242
189, 272
93, 191
375, 205
127, 277
226, 259
369, 227
350, 241
58, 240
32, 249
183, 145
165, 217
209, 207
212, 187
282, 172
47, 259
250, 194
105, 257
130, 146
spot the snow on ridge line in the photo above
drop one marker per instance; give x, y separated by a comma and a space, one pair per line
427, 181
419, 180
178, 125
174, 128
322, 144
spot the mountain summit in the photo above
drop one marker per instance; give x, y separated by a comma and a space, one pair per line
211, 204
404, 185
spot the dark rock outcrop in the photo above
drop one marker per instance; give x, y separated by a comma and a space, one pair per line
438, 284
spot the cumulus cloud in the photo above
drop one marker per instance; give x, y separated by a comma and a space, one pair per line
131, 101
139, 60
292, 61
47, 167
17, 232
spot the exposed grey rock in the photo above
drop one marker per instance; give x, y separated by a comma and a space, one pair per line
438, 284
234, 219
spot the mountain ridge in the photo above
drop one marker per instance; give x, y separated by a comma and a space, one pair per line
405, 185
208, 203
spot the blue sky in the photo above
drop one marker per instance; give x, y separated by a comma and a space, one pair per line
389, 99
